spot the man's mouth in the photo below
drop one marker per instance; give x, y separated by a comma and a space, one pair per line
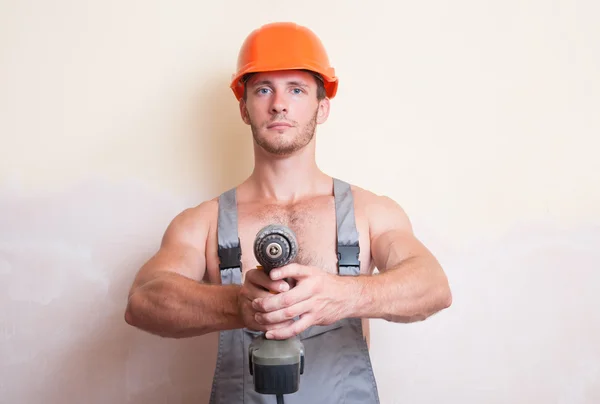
279, 125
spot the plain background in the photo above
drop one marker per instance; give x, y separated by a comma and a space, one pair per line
480, 118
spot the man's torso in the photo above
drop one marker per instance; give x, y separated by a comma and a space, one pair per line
313, 221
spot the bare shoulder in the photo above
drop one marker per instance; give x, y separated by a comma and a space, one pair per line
192, 225
183, 245
382, 212
390, 230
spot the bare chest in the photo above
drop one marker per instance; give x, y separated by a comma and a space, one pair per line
314, 224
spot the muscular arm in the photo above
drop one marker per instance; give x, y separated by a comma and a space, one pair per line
167, 297
411, 285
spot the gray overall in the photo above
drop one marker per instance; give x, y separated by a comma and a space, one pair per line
337, 364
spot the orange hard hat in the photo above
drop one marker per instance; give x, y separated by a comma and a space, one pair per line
283, 46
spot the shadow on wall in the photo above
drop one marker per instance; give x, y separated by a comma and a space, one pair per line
220, 142
66, 263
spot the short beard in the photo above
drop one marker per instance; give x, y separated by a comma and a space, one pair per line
282, 149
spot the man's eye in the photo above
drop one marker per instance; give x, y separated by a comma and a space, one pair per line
263, 91
297, 90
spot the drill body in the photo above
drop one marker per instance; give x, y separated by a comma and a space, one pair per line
276, 365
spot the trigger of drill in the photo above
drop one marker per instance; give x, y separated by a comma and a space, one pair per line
260, 268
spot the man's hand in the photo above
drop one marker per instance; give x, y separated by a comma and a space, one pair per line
257, 285
318, 298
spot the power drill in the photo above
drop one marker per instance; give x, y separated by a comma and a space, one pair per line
276, 365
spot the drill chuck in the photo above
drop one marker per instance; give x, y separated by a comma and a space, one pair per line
275, 246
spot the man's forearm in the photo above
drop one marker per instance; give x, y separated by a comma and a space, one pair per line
175, 306
412, 291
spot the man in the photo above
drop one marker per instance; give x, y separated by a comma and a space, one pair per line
204, 279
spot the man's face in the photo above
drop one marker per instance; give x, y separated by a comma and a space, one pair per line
283, 110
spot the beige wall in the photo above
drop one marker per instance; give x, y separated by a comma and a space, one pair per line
479, 118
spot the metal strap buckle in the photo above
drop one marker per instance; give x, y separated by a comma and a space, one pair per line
348, 255
230, 257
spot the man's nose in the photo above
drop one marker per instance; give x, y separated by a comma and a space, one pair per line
279, 104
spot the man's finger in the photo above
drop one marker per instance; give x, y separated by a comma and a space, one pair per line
281, 300
290, 271
258, 277
278, 326
254, 326
291, 331
251, 292
284, 314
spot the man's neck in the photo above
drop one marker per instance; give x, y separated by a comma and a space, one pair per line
287, 178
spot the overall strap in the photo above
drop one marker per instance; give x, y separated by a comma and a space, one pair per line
231, 367
230, 251
348, 247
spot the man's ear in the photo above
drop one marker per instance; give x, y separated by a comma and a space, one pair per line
244, 112
323, 111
